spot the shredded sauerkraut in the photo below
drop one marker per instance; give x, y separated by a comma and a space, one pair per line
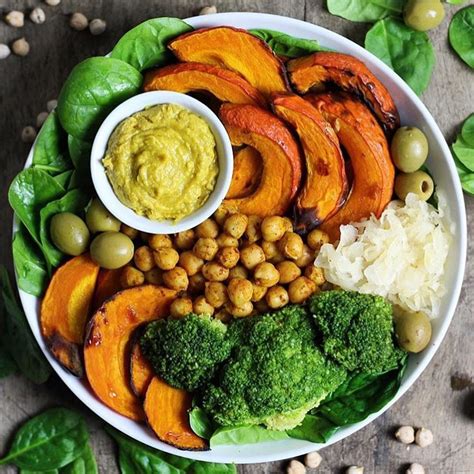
400, 256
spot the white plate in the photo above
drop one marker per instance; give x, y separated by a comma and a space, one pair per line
440, 163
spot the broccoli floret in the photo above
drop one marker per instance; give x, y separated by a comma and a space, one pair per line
275, 375
185, 352
356, 329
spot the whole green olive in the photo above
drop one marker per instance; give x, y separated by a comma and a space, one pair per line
423, 15
409, 149
419, 183
69, 233
99, 219
413, 330
112, 250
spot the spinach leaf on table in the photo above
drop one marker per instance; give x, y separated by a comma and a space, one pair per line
94, 87
461, 34
244, 435
408, 52
365, 10
146, 45
463, 154
83, 464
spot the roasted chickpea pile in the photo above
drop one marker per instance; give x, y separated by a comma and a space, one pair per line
230, 265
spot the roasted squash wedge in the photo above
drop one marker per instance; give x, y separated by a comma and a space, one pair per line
234, 49
325, 187
107, 344
349, 74
65, 310
166, 410
367, 147
141, 372
108, 283
281, 173
247, 173
226, 85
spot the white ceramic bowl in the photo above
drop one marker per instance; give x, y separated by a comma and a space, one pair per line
440, 163
102, 184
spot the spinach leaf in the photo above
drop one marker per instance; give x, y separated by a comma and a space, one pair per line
146, 45
7, 364
467, 183
461, 34
463, 154
201, 423
365, 10
64, 178
17, 338
50, 440
408, 52
29, 262
49, 148
94, 87
456, 2
244, 435
286, 45
49, 471
83, 464
80, 152
467, 131
316, 429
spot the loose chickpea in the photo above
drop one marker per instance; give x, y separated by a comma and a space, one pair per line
253, 232
129, 231
196, 284
291, 245
307, 256
273, 228
190, 262
235, 225
131, 276
266, 274
251, 256
154, 276
206, 248
185, 240
214, 271
176, 279
223, 315
288, 224
216, 293
316, 238
240, 311
228, 256
272, 252
258, 292
208, 228
240, 291
238, 272
289, 271
166, 258
220, 215
181, 307
143, 258
202, 306
225, 240
277, 297
157, 241
315, 274
301, 289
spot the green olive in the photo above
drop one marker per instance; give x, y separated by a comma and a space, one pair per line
99, 219
112, 250
423, 15
419, 183
69, 233
413, 330
409, 149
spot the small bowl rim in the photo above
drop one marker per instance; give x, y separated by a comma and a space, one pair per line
104, 189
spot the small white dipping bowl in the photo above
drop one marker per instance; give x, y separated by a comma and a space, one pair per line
104, 188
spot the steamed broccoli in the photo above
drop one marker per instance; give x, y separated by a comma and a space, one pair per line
356, 329
275, 375
185, 352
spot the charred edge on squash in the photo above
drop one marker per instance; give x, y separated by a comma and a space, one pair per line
67, 353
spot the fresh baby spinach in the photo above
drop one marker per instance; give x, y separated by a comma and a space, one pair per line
463, 154
461, 34
316, 429
200, 423
365, 10
64, 178
245, 435
83, 464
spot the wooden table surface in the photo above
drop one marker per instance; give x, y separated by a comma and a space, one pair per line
26, 84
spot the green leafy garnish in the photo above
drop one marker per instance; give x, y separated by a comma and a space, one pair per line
463, 154
461, 34
365, 10
245, 435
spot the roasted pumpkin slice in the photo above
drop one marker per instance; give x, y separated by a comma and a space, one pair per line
108, 283
325, 187
166, 410
281, 173
141, 372
247, 173
234, 49
65, 310
107, 344
365, 143
226, 85
349, 74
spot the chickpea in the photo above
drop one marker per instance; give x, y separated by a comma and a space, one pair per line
238, 272
166, 258
131, 276
235, 225
240, 311
306, 257
240, 291
277, 297
266, 274
291, 245
154, 276
176, 279
273, 228
190, 262
206, 248
315, 274
289, 271
262, 306
225, 240
129, 231
214, 271
221, 215
202, 306
251, 256
223, 315
143, 258
272, 252
253, 232
316, 238
181, 307
157, 241
301, 289
228, 256
288, 224
258, 292
208, 228
185, 240
216, 293
196, 283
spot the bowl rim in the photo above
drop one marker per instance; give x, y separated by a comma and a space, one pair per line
246, 454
